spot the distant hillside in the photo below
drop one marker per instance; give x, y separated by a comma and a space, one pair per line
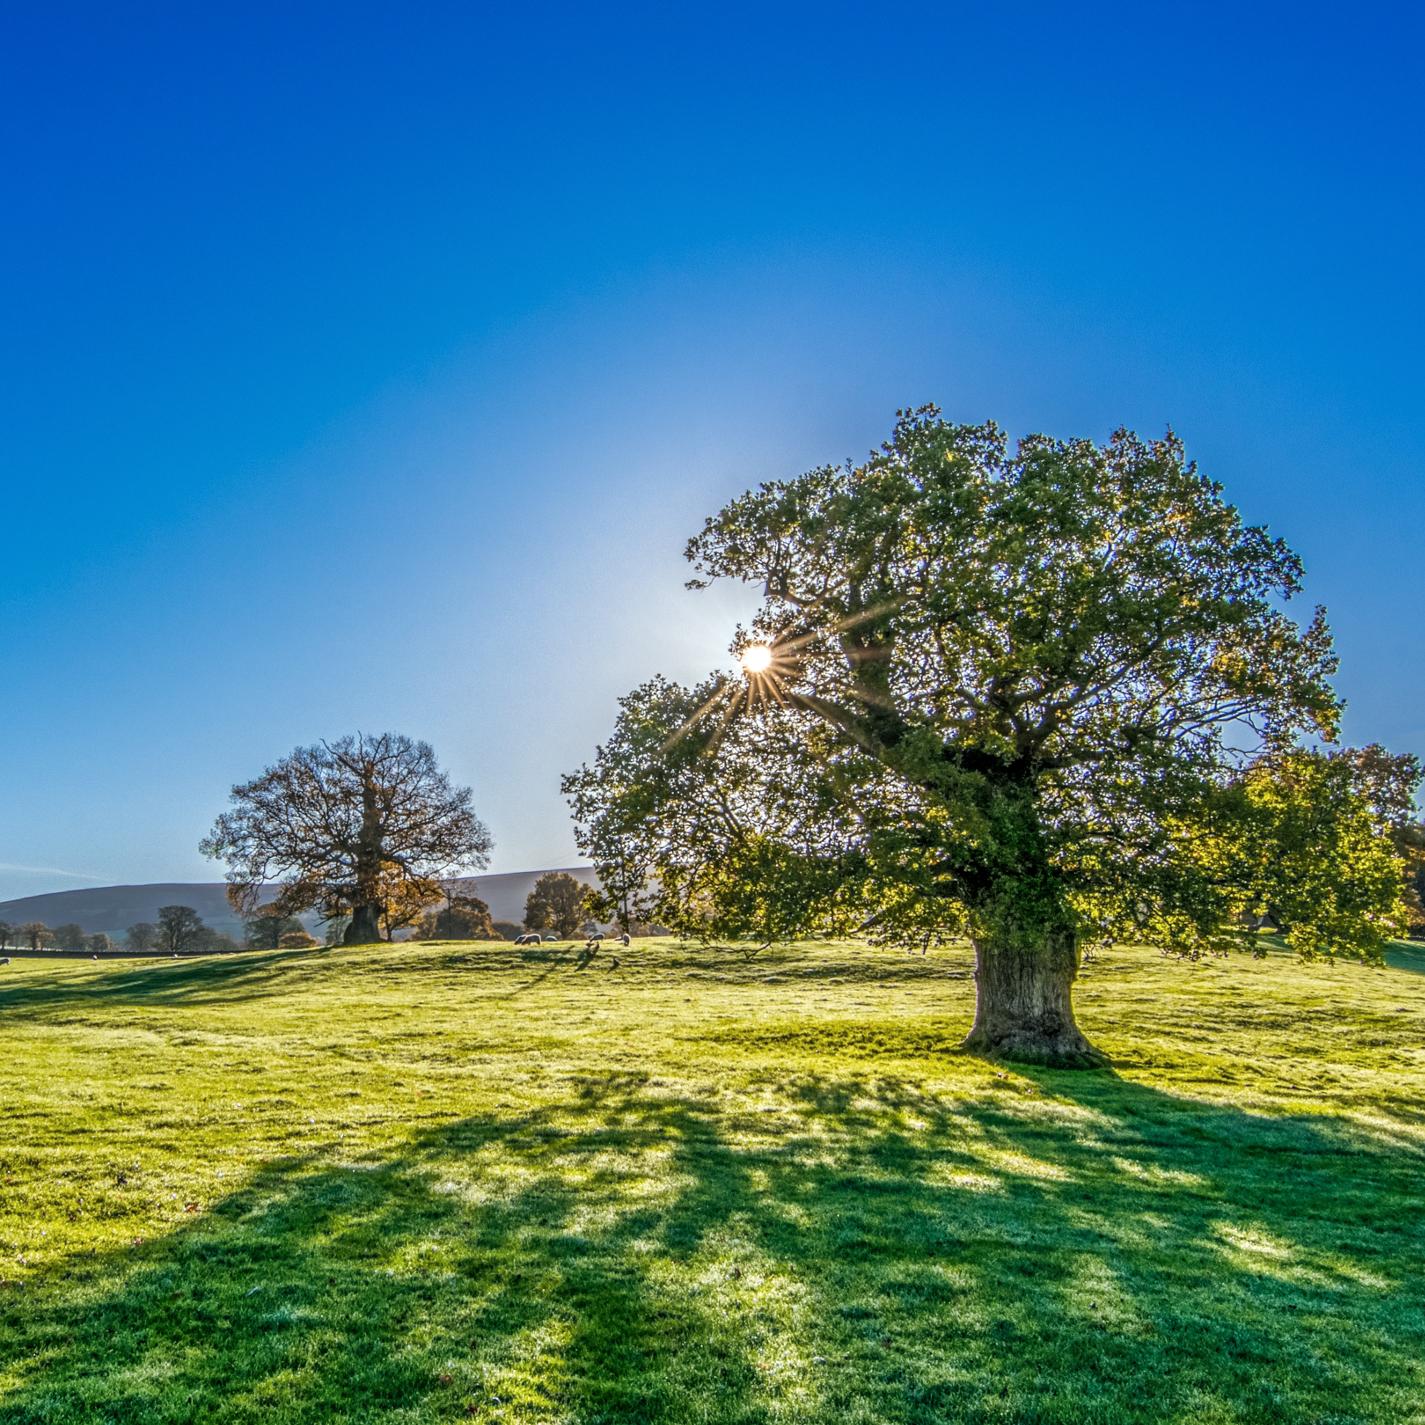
113, 909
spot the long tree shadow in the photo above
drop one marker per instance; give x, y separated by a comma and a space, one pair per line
249, 975
371, 1287
208, 979
1070, 1248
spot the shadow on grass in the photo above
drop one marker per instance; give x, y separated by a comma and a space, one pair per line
1406, 955
253, 974
247, 975
1066, 1248
210, 979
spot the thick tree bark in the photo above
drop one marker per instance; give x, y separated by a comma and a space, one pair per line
1024, 1003
365, 927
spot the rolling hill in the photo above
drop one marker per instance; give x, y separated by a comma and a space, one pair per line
112, 909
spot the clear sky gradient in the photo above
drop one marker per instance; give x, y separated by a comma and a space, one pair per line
367, 367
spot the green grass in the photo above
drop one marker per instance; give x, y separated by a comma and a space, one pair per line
443, 1183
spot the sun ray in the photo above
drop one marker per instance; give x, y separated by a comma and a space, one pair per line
867, 696
774, 686
764, 675
782, 644
697, 716
720, 731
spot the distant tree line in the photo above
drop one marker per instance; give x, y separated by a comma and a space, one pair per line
559, 905
36, 935
179, 930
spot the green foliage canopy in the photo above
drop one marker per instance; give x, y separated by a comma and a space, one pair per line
559, 902
1037, 694
462, 917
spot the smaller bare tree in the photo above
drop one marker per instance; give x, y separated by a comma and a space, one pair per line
363, 827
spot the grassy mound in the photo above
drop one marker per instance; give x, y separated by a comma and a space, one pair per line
441, 1182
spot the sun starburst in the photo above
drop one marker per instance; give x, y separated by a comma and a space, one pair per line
756, 658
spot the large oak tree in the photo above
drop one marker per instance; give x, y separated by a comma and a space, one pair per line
1033, 695
365, 826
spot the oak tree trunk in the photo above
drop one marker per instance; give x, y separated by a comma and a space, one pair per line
1024, 1002
365, 927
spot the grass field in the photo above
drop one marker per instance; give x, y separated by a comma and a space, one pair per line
454, 1182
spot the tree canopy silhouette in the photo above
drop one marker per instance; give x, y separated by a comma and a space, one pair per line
180, 929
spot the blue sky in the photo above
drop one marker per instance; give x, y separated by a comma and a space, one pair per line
367, 367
